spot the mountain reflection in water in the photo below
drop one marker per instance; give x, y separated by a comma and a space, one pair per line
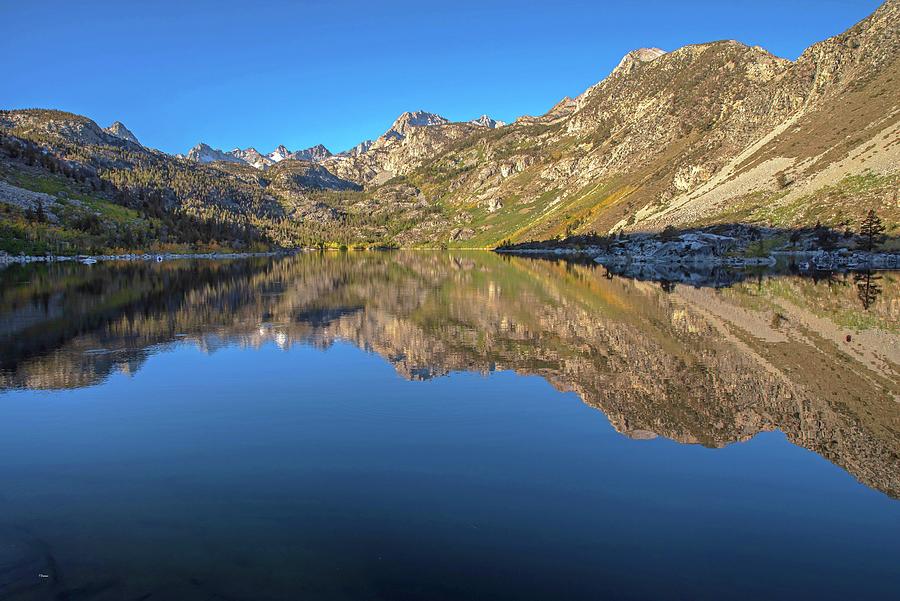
695, 365
200, 430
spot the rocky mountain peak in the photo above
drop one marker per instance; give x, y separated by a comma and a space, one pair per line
357, 150
313, 153
119, 130
414, 119
279, 154
636, 57
848, 59
252, 156
203, 153
563, 107
485, 121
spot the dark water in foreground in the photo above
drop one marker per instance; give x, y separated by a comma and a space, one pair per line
444, 426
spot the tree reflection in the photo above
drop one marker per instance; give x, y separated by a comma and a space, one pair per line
867, 287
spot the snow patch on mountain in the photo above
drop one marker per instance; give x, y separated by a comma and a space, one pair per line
279, 154
252, 157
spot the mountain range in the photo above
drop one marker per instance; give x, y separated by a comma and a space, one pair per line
718, 132
202, 153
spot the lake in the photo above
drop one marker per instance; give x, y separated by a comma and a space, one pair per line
445, 425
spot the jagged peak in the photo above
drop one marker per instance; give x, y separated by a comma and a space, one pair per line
416, 119
420, 118
313, 153
695, 49
879, 28
626, 66
359, 149
204, 153
562, 108
864, 49
405, 123
566, 102
280, 153
637, 57
119, 130
486, 121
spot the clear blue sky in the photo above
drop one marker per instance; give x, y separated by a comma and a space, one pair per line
336, 72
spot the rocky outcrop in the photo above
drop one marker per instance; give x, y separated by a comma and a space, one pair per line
405, 124
635, 58
360, 148
203, 153
253, 157
412, 140
120, 131
485, 121
27, 200
279, 154
315, 154
299, 176
58, 127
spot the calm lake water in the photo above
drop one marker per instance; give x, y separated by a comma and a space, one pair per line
439, 425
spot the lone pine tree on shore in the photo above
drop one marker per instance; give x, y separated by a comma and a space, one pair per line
871, 231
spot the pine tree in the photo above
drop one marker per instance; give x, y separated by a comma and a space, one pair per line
39, 215
871, 231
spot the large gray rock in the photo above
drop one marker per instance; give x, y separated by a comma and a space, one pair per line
28, 200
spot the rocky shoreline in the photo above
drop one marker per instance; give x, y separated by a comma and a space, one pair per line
821, 260
730, 246
705, 271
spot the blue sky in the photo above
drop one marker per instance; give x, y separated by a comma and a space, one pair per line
332, 72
